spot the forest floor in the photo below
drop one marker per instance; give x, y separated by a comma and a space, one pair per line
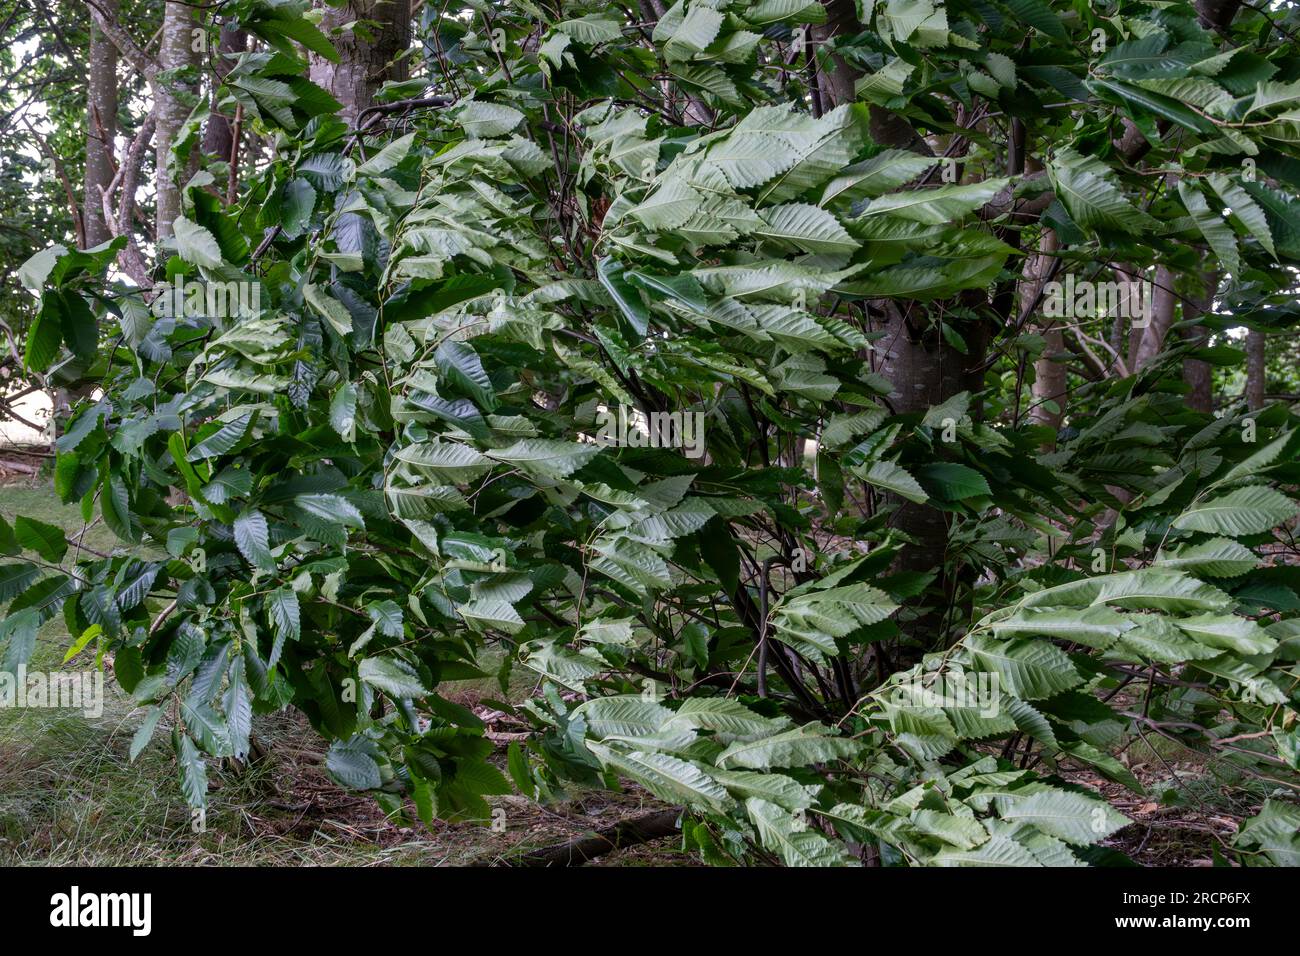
70, 795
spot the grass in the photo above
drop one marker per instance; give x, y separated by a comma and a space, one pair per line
70, 795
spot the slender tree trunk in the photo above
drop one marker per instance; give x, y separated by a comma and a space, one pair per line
217, 133
1161, 318
1256, 370
925, 370
1048, 407
835, 77
364, 65
1195, 372
101, 129
173, 100
1049, 382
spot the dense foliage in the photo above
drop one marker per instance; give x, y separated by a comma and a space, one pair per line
390, 474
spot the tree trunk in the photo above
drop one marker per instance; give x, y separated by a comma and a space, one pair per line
835, 77
1049, 368
1195, 372
1256, 370
364, 65
1160, 320
101, 129
1049, 383
217, 133
173, 100
1216, 14
925, 370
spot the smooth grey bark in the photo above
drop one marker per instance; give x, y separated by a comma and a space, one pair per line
101, 130
173, 100
1049, 368
1161, 318
1049, 382
364, 65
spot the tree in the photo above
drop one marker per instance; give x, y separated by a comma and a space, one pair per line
541, 325
101, 131
376, 33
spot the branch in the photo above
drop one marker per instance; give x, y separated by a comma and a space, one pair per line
399, 106
78, 222
1005, 203
625, 833
123, 41
128, 174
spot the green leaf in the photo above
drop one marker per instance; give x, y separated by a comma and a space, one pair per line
207, 727
1218, 234
300, 29
79, 645
623, 716
668, 778
47, 540
936, 206
462, 368
44, 335
797, 844
222, 439
798, 747
282, 607
15, 578
1244, 210
1030, 669
144, 733
334, 509
449, 461
1094, 626
237, 701
1250, 510
1227, 632
807, 228
393, 676
482, 120
343, 411
953, 481
548, 458
252, 539
1216, 558
1039, 15
885, 171
1095, 201
353, 764
1072, 817
625, 296
194, 772
196, 244
890, 477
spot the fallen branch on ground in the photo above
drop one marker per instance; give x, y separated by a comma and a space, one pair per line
630, 832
